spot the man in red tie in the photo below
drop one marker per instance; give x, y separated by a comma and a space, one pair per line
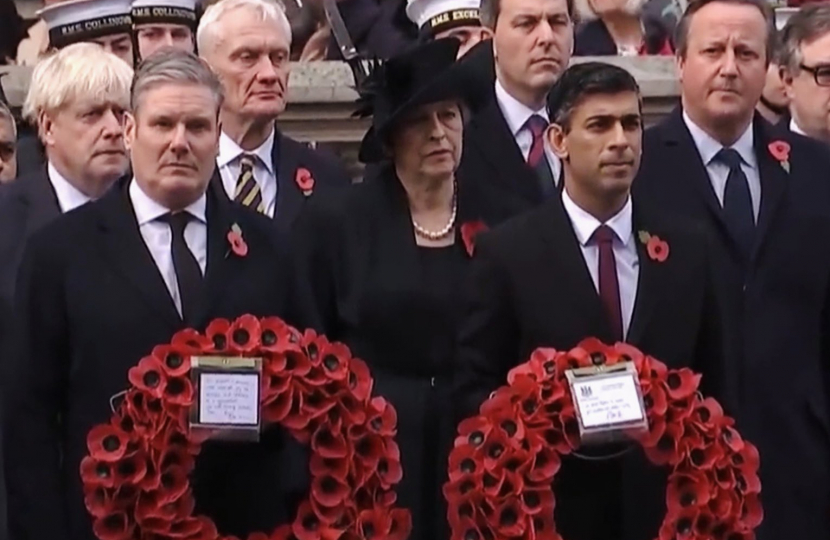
591, 263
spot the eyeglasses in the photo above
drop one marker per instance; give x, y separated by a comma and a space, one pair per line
820, 73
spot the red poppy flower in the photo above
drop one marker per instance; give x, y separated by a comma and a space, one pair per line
329, 443
149, 506
540, 367
383, 418
297, 364
752, 514
708, 414
217, 333
591, 351
389, 465
349, 408
116, 526
704, 454
508, 520
107, 443
658, 250
655, 401
278, 409
732, 439
465, 461
629, 353
97, 473
666, 450
174, 484
329, 490
339, 468
187, 342
468, 528
401, 524
682, 383
725, 478
238, 244
473, 431
244, 334
469, 232
681, 526
130, 470
686, 490
304, 181
149, 376
537, 501
98, 502
335, 361
177, 456
360, 380
306, 525
185, 528
172, 360
780, 150
546, 464
542, 527
179, 391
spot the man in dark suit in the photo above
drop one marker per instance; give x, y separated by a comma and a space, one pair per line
763, 199
100, 287
504, 142
82, 133
257, 165
578, 267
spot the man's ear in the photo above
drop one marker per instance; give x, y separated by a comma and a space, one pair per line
129, 130
45, 124
557, 140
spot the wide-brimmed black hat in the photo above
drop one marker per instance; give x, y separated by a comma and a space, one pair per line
425, 74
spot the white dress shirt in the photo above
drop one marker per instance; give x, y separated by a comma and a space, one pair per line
708, 148
624, 245
264, 173
69, 197
159, 238
795, 129
516, 114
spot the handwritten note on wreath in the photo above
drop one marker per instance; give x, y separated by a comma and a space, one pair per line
608, 401
229, 399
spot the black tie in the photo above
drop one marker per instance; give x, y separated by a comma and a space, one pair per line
188, 273
737, 202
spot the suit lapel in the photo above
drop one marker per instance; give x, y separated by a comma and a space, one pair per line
774, 181
492, 140
650, 282
42, 203
289, 196
124, 247
220, 260
571, 281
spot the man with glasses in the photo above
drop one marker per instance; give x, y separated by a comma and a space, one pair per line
806, 70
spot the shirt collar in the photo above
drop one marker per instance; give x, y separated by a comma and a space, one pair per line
69, 197
585, 224
795, 129
709, 147
229, 151
515, 112
147, 210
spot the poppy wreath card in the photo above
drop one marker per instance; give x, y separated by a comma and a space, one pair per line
136, 475
505, 459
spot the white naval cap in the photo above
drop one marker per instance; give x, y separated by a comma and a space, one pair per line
81, 20
165, 11
434, 16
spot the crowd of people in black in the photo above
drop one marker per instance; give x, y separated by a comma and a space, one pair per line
143, 153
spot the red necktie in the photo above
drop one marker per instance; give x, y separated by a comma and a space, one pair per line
537, 126
609, 286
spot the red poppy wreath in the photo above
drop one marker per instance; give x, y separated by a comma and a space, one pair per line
135, 477
504, 460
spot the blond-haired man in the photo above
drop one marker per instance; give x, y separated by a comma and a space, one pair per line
76, 99
247, 42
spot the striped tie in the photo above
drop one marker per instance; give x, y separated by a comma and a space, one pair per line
247, 189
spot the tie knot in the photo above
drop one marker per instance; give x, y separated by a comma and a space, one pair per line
177, 221
246, 162
537, 125
729, 157
603, 235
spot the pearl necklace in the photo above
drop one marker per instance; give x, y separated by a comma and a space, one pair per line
438, 235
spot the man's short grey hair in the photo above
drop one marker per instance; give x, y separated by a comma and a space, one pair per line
81, 71
6, 114
173, 66
810, 23
210, 31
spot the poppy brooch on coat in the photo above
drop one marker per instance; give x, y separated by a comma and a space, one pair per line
657, 249
505, 458
304, 181
136, 474
238, 244
469, 232
780, 150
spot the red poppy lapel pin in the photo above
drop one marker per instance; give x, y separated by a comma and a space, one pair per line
780, 150
469, 231
657, 249
304, 181
238, 244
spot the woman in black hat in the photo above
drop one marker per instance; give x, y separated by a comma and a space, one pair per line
381, 266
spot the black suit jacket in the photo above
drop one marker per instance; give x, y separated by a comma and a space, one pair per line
288, 156
90, 304
491, 154
775, 313
364, 281
530, 288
